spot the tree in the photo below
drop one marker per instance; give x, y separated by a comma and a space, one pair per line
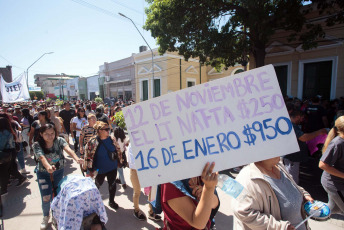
224, 32
98, 100
119, 119
36, 95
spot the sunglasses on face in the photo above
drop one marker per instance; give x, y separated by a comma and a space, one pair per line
107, 129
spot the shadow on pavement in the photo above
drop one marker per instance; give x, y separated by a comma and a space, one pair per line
13, 203
120, 191
68, 168
310, 175
124, 219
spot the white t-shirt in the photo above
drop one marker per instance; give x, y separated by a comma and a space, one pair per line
80, 123
131, 158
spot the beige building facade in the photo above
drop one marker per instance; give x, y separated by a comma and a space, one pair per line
305, 74
171, 73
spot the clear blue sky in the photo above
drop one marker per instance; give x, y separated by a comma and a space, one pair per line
81, 37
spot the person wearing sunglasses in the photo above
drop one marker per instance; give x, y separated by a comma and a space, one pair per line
102, 154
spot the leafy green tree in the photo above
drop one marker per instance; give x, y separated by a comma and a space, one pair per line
98, 100
225, 32
119, 119
36, 95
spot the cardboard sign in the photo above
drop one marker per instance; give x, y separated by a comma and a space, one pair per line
231, 121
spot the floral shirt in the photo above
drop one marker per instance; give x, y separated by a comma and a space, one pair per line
78, 198
55, 155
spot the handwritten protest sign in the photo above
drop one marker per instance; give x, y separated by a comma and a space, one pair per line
231, 121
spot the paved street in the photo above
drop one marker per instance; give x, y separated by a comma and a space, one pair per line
22, 207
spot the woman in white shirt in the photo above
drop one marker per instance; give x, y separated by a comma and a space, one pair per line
77, 124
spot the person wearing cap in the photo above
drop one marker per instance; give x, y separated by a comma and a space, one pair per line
5, 108
17, 112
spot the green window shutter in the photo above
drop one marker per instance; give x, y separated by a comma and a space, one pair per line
144, 90
157, 90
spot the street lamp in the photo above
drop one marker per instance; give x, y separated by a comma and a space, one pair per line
27, 70
149, 48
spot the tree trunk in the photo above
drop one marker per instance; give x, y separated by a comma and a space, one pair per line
259, 54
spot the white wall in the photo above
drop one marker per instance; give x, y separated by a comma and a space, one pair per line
92, 85
72, 87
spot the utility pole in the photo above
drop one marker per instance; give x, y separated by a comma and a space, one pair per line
149, 48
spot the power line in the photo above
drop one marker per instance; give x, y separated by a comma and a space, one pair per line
126, 6
99, 9
6, 59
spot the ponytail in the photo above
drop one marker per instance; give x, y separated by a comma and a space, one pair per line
330, 136
338, 128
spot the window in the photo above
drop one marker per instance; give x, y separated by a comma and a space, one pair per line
317, 79
282, 77
144, 90
190, 82
157, 88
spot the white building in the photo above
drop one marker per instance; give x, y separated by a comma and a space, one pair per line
92, 87
52, 85
72, 89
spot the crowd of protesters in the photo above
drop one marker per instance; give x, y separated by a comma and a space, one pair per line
43, 131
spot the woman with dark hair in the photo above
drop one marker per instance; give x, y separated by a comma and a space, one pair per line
122, 142
36, 125
77, 124
332, 162
26, 123
48, 151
